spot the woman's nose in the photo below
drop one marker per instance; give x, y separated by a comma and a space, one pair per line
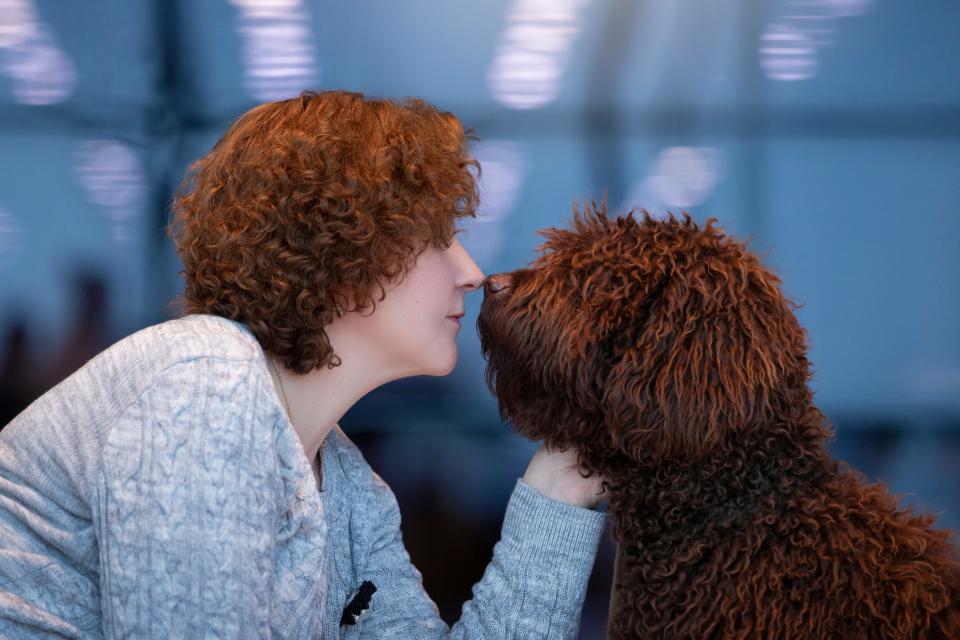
496, 282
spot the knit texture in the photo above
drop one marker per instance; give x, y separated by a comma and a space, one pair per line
161, 492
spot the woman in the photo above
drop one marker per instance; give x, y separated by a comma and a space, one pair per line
192, 480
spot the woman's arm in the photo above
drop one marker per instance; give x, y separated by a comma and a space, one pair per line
534, 586
188, 516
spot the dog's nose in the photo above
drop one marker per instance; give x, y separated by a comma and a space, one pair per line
496, 282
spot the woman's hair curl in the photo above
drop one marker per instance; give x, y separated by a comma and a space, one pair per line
315, 201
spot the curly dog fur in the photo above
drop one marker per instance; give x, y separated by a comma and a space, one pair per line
668, 356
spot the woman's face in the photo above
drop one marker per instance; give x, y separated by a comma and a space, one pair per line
412, 324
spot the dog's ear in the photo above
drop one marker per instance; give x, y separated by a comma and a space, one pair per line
707, 347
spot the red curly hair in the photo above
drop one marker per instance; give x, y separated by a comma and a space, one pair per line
315, 201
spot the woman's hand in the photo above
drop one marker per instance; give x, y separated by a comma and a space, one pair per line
556, 475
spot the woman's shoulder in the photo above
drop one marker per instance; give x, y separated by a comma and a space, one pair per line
188, 337
146, 354
143, 355
119, 374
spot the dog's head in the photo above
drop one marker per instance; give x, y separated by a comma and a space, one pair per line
650, 338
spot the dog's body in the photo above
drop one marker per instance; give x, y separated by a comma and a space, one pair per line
667, 355
769, 538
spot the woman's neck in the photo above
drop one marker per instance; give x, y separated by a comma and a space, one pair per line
318, 400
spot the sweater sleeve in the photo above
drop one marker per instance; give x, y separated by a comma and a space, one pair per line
187, 516
533, 587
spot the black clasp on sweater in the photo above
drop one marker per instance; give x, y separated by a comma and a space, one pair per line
359, 604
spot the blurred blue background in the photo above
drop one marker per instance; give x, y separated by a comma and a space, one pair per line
827, 132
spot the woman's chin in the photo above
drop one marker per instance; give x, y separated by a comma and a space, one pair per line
444, 366
450, 365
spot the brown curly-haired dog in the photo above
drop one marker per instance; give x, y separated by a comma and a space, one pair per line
668, 356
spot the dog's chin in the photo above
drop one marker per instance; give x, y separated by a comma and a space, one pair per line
522, 401
516, 388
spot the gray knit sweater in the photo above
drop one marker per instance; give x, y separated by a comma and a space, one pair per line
161, 492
